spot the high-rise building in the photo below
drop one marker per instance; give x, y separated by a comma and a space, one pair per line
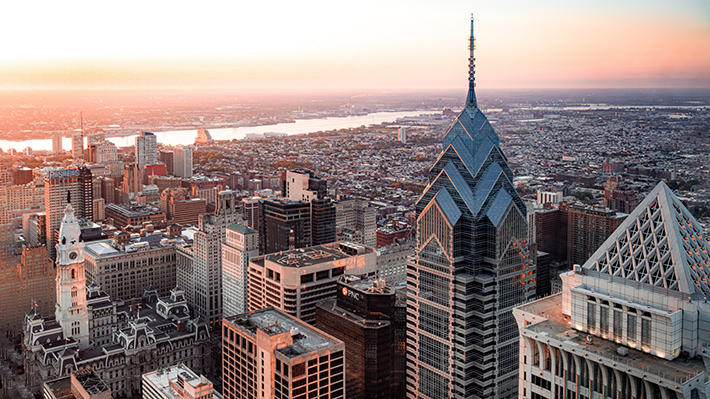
182, 161
296, 281
252, 212
146, 149
207, 271
632, 321
470, 267
303, 185
358, 216
181, 207
402, 136
369, 316
241, 245
24, 285
587, 228
85, 201
280, 216
56, 143
77, 145
168, 158
62, 185
270, 354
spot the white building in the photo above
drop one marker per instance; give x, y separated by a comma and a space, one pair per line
549, 197
296, 282
240, 246
182, 161
402, 135
177, 382
56, 143
146, 149
77, 145
633, 321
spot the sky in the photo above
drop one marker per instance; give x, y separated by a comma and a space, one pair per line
363, 45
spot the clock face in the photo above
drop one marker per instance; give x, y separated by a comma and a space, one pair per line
72, 255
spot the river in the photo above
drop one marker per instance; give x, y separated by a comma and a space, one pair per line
175, 137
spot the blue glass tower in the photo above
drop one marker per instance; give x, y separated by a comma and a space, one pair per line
470, 269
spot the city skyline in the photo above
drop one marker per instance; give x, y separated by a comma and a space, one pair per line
319, 46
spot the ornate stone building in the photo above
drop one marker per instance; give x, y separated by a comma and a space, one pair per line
119, 340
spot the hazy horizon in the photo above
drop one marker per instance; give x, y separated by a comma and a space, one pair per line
324, 46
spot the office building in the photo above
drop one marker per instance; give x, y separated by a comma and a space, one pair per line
549, 197
280, 216
303, 185
61, 186
251, 211
207, 271
392, 262
168, 158
56, 143
358, 216
295, 281
322, 221
369, 316
146, 149
85, 201
402, 136
80, 384
470, 267
17, 200
24, 285
134, 214
241, 245
181, 207
587, 228
77, 145
270, 354
34, 227
177, 382
632, 322
132, 182
121, 339
182, 161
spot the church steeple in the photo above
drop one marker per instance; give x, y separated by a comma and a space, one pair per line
471, 99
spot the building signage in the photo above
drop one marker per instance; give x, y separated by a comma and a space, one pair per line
351, 294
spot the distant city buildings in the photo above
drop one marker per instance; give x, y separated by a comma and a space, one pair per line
77, 145
146, 151
402, 136
182, 161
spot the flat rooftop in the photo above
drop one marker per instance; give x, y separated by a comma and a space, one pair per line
161, 380
314, 255
60, 388
90, 381
368, 284
272, 321
558, 327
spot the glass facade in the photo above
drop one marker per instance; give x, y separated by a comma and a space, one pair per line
471, 267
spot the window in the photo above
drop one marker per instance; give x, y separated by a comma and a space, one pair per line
618, 325
631, 330
591, 317
604, 321
645, 334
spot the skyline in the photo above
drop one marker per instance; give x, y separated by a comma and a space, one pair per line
319, 46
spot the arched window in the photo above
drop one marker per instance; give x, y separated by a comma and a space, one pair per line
74, 291
73, 274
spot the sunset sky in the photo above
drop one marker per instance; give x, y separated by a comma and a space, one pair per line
274, 45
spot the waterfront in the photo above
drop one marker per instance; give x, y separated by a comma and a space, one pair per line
175, 137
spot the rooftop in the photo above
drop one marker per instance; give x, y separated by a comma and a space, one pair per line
60, 388
161, 380
272, 321
241, 229
318, 254
557, 327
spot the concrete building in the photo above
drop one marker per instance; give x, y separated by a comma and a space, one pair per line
270, 354
296, 281
134, 214
81, 384
402, 135
357, 215
471, 267
146, 149
250, 207
125, 267
17, 200
207, 271
549, 197
392, 262
587, 228
56, 143
182, 161
24, 285
303, 185
181, 207
632, 322
241, 245
168, 158
77, 145
177, 382
369, 316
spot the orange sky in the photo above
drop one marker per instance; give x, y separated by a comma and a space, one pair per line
355, 45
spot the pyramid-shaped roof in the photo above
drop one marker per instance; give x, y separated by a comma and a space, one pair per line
660, 243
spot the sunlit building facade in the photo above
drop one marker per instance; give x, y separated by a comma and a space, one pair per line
470, 268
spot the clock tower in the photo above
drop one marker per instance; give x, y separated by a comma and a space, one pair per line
71, 309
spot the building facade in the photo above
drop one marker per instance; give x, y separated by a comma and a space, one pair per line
369, 316
146, 149
470, 267
182, 161
632, 322
279, 216
270, 354
357, 215
241, 245
297, 281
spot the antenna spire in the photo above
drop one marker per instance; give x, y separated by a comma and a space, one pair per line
471, 99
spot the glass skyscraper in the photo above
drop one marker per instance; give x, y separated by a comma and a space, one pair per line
471, 267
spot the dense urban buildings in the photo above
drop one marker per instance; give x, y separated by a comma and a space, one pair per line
296, 281
470, 267
241, 245
268, 353
632, 322
369, 316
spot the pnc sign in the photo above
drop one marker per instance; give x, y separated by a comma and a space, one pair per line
351, 294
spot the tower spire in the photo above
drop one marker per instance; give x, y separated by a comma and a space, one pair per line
471, 99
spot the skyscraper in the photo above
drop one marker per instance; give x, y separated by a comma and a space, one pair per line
402, 136
240, 246
56, 143
146, 149
62, 185
470, 267
182, 161
77, 145
278, 217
